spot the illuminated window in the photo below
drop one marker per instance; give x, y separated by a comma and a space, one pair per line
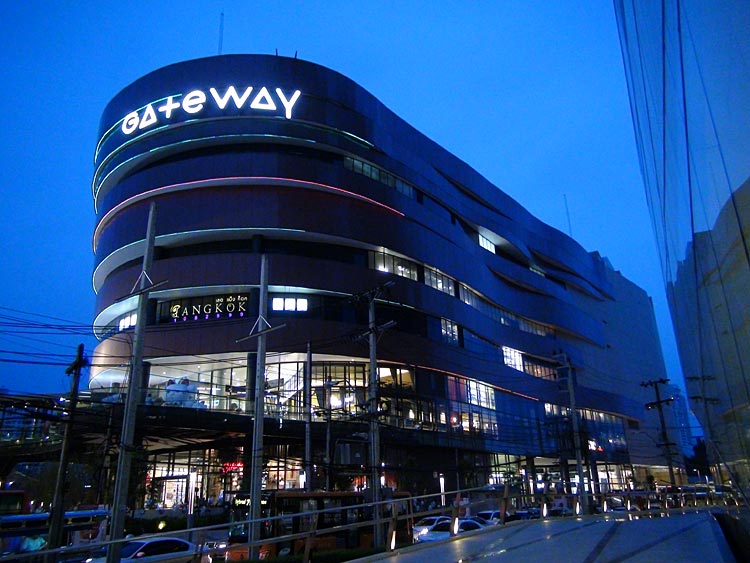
480, 394
513, 358
450, 331
438, 280
533, 328
386, 262
487, 244
504, 317
537, 270
288, 304
128, 321
380, 175
540, 370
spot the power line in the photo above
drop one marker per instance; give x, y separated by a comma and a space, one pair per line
666, 444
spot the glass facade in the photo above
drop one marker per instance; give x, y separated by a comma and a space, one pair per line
688, 70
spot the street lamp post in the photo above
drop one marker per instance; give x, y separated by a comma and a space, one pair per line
256, 470
135, 386
258, 404
327, 459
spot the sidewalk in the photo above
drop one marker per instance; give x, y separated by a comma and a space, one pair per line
691, 537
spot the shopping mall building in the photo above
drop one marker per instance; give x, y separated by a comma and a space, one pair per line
481, 310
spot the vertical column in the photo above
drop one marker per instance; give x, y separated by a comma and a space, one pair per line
256, 473
127, 436
307, 390
373, 389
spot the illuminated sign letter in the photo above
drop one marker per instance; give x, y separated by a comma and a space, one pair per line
149, 117
194, 101
263, 100
130, 122
222, 101
230, 99
288, 104
167, 108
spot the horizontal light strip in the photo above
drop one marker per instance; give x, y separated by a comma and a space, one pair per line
231, 181
97, 185
190, 122
117, 123
167, 240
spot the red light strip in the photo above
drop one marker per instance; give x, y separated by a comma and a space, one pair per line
252, 180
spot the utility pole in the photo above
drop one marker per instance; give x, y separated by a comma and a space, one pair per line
127, 436
372, 397
710, 442
256, 470
373, 408
666, 444
567, 369
256, 457
56, 538
308, 418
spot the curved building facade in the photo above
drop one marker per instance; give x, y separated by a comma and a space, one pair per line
484, 306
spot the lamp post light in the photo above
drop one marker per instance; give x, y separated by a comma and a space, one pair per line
700, 477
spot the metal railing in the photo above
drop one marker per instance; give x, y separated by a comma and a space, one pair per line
400, 515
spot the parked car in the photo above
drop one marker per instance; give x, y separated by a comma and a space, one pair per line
156, 550
425, 525
491, 516
478, 519
442, 530
528, 513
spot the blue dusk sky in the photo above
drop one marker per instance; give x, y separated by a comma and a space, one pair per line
531, 94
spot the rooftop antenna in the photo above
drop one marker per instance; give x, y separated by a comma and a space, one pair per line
567, 214
221, 33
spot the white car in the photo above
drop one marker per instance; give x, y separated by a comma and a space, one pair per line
491, 516
442, 530
148, 550
425, 525
478, 519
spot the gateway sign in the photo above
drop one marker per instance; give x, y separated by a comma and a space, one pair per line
175, 107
